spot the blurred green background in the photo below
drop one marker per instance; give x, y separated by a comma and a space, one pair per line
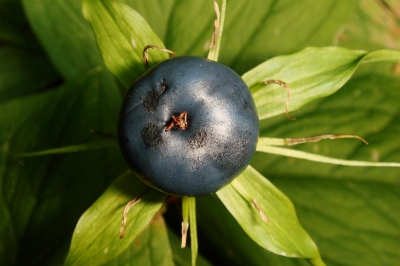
54, 88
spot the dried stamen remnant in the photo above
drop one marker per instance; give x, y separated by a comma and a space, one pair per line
180, 122
296, 141
146, 52
216, 26
185, 227
260, 211
282, 84
124, 218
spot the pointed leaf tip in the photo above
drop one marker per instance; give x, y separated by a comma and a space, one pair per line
312, 73
253, 200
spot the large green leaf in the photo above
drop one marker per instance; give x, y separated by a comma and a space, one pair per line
234, 246
64, 34
121, 34
96, 236
349, 211
311, 73
42, 197
157, 13
354, 222
249, 197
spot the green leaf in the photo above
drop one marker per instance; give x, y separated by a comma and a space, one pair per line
156, 13
95, 240
43, 197
352, 220
189, 219
267, 215
65, 35
24, 72
187, 32
279, 27
318, 158
76, 148
348, 211
234, 246
151, 247
24, 67
311, 74
363, 31
12, 19
253, 31
382, 56
122, 34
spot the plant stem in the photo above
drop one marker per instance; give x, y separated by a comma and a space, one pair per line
218, 29
189, 217
193, 229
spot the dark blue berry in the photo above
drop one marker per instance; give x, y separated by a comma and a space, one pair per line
188, 126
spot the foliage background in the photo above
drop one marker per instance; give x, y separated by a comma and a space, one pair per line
54, 88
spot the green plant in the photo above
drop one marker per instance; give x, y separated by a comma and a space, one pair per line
350, 212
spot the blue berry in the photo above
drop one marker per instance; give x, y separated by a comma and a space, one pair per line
188, 126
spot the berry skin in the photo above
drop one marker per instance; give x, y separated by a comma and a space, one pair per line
188, 126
